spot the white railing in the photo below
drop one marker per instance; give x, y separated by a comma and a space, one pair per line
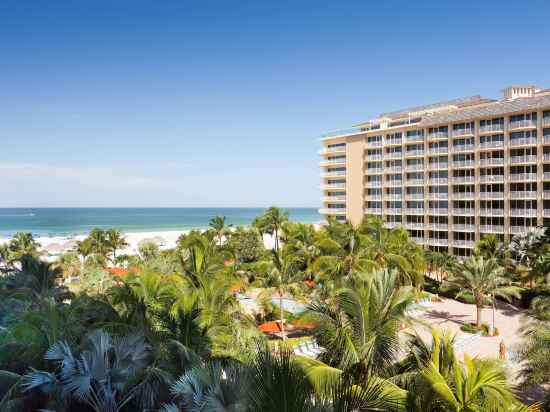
414, 153
333, 174
374, 197
546, 194
546, 139
374, 157
415, 181
546, 121
335, 185
438, 196
463, 211
433, 150
438, 211
393, 141
515, 177
523, 212
332, 161
393, 211
491, 195
394, 155
333, 198
373, 211
523, 194
463, 132
393, 196
546, 176
523, 159
394, 169
438, 180
414, 225
546, 157
463, 179
438, 135
516, 230
333, 149
491, 178
491, 228
492, 161
418, 196
491, 212
546, 212
493, 144
463, 163
439, 166
375, 144
374, 170
489, 128
332, 211
374, 184
415, 167
463, 195
464, 243
437, 226
463, 147
394, 182
419, 240
523, 141
414, 211
464, 227
520, 124
437, 242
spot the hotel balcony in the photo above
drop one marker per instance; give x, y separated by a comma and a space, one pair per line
546, 157
414, 153
463, 132
463, 179
523, 212
546, 139
334, 185
491, 229
546, 212
463, 148
439, 166
437, 242
333, 162
393, 155
546, 121
373, 184
438, 196
518, 230
546, 194
393, 142
333, 150
463, 211
415, 196
437, 226
339, 173
415, 138
523, 194
463, 195
335, 199
491, 212
415, 168
414, 225
523, 177
332, 211
374, 145
492, 145
463, 163
491, 178
418, 182
438, 180
394, 182
491, 195
523, 159
391, 225
373, 211
546, 176
522, 124
393, 196
373, 197
392, 211
463, 243
419, 240
374, 157
438, 135
525, 141
438, 150
374, 170
438, 211
491, 128
415, 211
493, 161
393, 169
459, 227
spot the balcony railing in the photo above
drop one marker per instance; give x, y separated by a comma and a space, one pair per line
463, 195
332, 161
334, 198
492, 161
375, 144
523, 159
416, 182
491, 195
491, 212
546, 212
518, 177
546, 176
439, 166
437, 242
334, 174
374, 184
463, 132
463, 163
463, 148
393, 141
414, 211
517, 230
394, 169
491, 128
415, 167
438, 196
438, 211
437, 226
434, 150
546, 139
374, 157
335, 185
414, 225
546, 121
523, 194
414, 153
393, 196
522, 124
491, 178
419, 240
393, 211
464, 243
332, 211
393, 155
438, 135
391, 225
414, 137
546, 194
438, 180
463, 179
459, 227
333, 149
463, 211
546, 157
418, 196
374, 197
523, 212
491, 228
492, 145
374, 170
523, 141
373, 211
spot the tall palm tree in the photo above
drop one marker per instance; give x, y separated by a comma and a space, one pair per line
360, 329
282, 278
98, 376
23, 244
272, 222
69, 263
115, 241
484, 278
220, 228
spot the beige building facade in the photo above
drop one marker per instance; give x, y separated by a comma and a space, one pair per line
448, 172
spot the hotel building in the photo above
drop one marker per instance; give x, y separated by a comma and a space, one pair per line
448, 172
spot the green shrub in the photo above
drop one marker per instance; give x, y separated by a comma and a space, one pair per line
472, 328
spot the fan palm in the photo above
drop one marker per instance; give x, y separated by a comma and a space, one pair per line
483, 278
218, 225
272, 222
23, 244
115, 241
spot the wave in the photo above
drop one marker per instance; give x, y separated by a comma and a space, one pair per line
21, 215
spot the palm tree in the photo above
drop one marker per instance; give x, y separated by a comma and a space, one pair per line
115, 240
98, 376
23, 244
360, 329
218, 225
483, 278
272, 222
69, 263
283, 278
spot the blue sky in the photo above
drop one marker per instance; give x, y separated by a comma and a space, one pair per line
221, 103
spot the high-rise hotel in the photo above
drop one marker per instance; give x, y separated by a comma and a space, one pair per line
448, 172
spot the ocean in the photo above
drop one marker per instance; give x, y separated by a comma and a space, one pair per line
77, 221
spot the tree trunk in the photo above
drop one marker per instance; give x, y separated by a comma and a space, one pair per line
479, 308
276, 240
282, 315
493, 325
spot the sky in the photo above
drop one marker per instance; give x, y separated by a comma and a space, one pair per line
222, 103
